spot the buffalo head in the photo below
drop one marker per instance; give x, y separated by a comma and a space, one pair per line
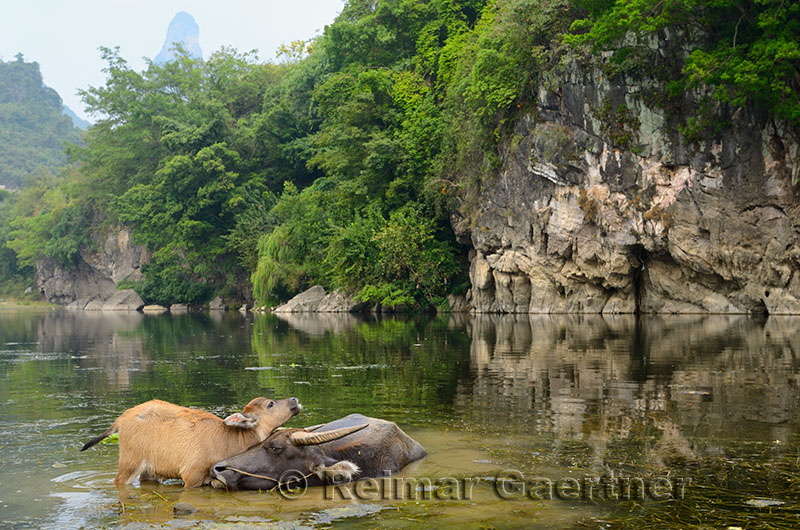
283, 458
265, 413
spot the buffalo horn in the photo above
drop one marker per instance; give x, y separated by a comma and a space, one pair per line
313, 427
310, 438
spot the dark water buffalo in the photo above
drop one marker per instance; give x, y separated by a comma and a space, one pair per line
349, 448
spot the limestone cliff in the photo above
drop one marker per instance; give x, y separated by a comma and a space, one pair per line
96, 275
603, 206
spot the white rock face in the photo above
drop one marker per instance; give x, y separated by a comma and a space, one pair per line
584, 219
95, 276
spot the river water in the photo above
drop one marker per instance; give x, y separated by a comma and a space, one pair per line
529, 421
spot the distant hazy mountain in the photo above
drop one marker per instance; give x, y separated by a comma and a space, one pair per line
32, 127
78, 122
185, 31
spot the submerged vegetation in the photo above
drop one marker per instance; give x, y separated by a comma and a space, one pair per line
338, 165
753, 485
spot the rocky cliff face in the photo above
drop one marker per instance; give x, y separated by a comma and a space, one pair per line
96, 275
603, 206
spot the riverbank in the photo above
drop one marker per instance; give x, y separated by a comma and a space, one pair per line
24, 303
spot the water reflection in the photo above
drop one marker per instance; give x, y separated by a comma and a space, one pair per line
101, 342
598, 378
545, 394
317, 325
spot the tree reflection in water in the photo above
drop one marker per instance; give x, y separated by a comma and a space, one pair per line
707, 396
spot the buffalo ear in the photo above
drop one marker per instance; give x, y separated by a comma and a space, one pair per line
341, 471
241, 421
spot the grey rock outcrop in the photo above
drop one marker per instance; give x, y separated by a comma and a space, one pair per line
307, 301
315, 300
336, 302
95, 275
124, 300
95, 305
79, 304
154, 309
603, 206
458, 303
217, 304
63, 286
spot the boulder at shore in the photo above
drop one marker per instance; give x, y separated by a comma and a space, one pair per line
124, 300
94, 305
217, 304
79, 304
315, 300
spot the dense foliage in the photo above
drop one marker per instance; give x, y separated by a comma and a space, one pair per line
742, 50
9, 268
33, 128
338, 165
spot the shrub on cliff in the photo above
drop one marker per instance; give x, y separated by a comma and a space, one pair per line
48, 219
742, 51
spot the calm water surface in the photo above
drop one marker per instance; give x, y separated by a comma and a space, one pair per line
708, 402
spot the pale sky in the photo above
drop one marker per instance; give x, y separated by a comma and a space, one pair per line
63, 36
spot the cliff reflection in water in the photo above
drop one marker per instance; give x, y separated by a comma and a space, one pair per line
105, 342
590, 378
318, 324
548, 395
598, 378
130, 352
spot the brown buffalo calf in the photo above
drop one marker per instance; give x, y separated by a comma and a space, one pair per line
159, 440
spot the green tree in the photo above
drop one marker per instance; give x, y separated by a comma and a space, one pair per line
742, 51
48, 219
33, 126
176, 154
413, 266
291, 254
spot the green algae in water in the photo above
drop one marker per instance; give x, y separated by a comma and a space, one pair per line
111, 440
753, 485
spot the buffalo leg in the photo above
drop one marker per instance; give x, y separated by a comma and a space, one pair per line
125, 475
192, 479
